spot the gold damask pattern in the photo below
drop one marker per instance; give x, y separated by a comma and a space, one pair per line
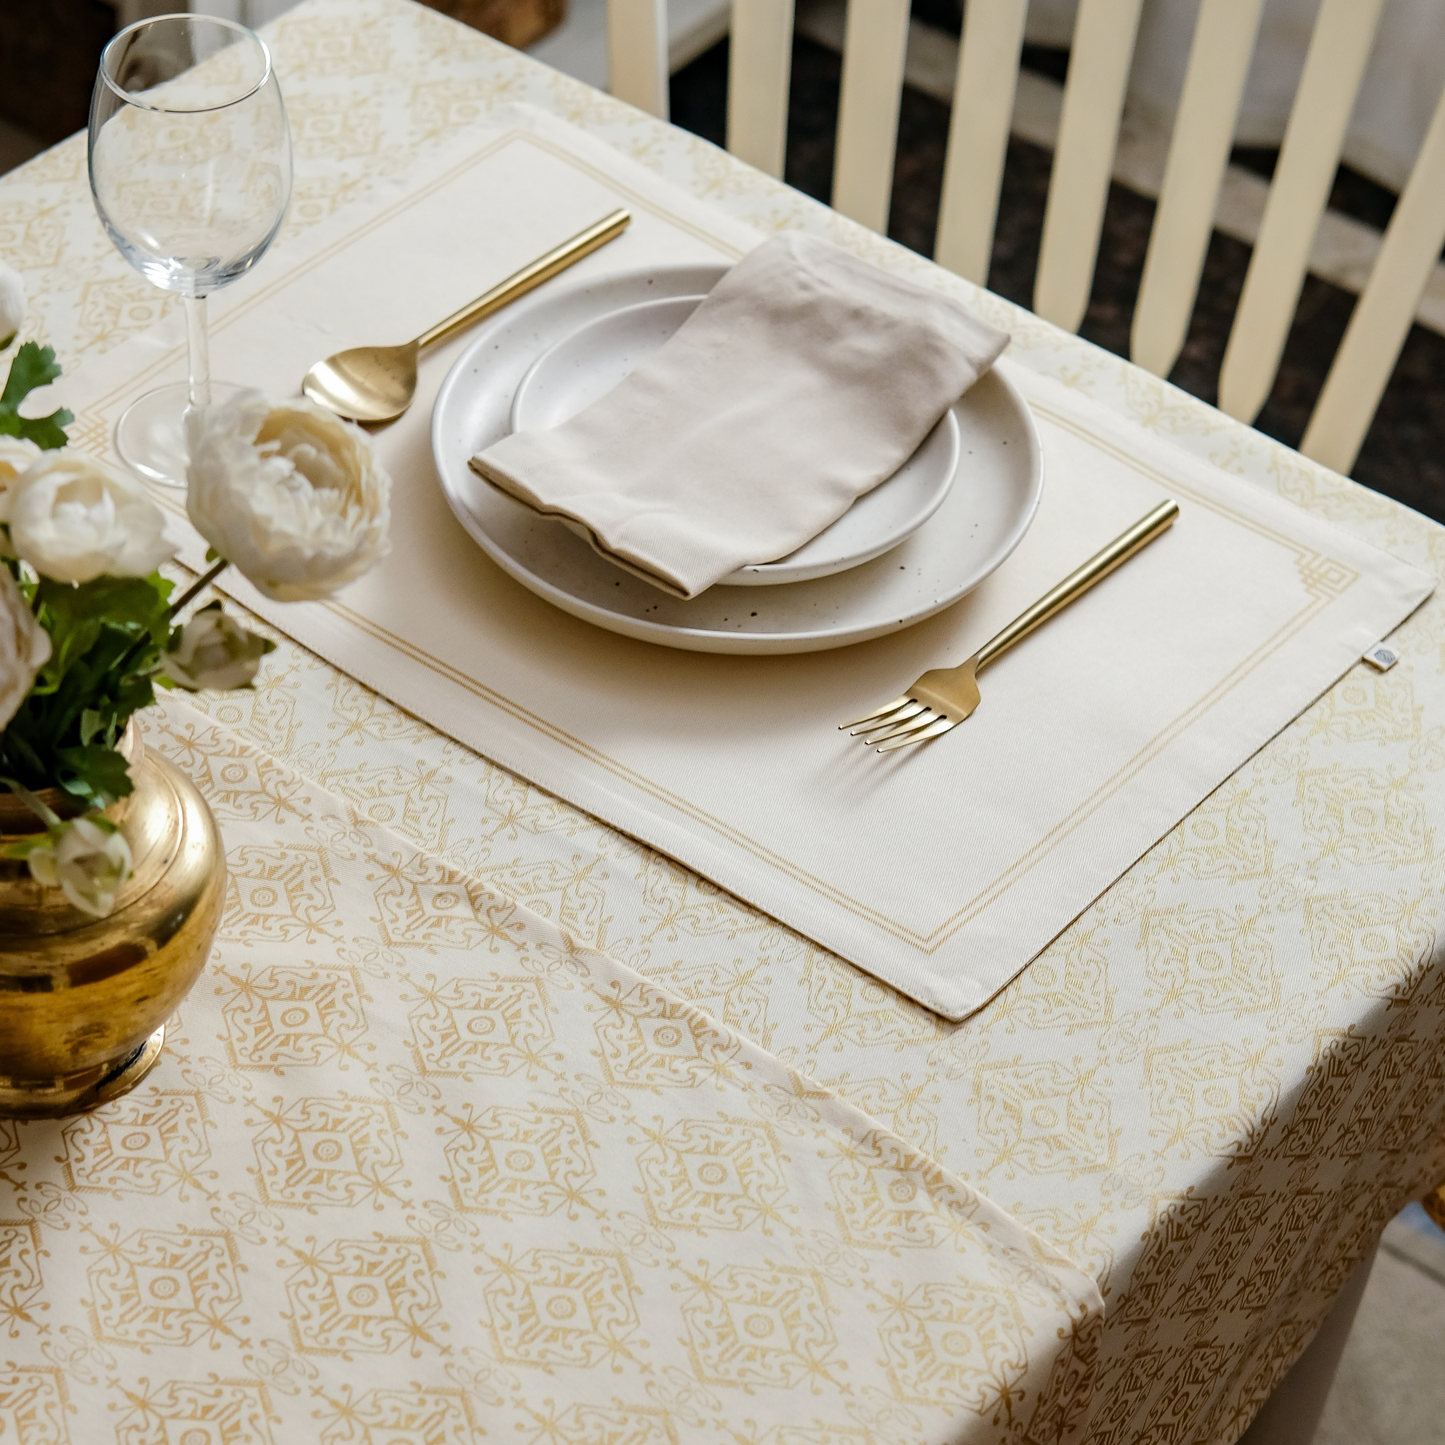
463, 1178
1287, 930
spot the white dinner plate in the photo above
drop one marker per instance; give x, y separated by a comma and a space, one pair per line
587, 363
983, 518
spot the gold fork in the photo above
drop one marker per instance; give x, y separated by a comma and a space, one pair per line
943, 698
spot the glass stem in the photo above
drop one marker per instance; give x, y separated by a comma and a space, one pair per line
200, 353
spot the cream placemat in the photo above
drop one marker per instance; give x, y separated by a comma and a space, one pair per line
942, 870
415, 1166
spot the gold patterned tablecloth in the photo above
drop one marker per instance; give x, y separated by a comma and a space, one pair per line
1210, 1092
418, 1166
1253, 606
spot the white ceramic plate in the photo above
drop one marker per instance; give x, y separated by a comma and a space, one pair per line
987, 512
585, 365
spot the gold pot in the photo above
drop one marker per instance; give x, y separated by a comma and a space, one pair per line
83, 1000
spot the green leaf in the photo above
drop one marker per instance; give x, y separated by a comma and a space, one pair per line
119, 601
34, 366
96, 773
107, 638
99, 619
47, 432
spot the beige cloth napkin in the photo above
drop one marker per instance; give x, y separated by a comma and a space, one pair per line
806, 378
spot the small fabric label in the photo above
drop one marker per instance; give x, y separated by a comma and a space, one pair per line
1382, 658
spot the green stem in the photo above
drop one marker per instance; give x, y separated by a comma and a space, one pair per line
198, 586
45, 814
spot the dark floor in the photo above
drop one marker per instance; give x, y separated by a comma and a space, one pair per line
1404, 454
49, 51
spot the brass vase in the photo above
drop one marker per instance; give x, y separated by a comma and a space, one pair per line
84, 1000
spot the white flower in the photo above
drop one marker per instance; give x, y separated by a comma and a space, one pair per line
86, 860
24, 648
214, 652
17, 454
73, 518
289, 494
12, 304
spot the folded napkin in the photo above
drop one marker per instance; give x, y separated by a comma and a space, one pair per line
803, 380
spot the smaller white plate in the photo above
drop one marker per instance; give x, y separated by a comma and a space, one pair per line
585, 365
980, 522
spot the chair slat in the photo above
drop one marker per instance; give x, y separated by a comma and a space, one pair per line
1333, 70
1088, 137
637, 53
759, 68
873, 51
983, 98
1198, 153
1381, 319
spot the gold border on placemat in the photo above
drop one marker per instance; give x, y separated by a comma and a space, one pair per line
1323, 579
100, 406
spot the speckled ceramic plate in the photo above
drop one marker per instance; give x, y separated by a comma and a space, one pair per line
987, 511
587, 363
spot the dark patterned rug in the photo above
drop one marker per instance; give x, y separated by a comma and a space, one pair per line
1404, 454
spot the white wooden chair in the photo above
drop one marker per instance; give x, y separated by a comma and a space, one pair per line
1103, 45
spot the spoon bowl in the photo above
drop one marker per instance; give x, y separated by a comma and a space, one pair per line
369, 384
376, 384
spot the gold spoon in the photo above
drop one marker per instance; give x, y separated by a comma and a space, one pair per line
375, 384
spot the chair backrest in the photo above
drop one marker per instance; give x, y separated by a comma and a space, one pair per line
1103, 43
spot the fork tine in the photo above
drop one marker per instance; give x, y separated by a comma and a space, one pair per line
899, 715
935, 730
923, 720
876, 713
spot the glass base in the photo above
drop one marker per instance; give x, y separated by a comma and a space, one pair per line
151, 433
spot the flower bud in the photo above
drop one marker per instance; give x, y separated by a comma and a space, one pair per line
12, 304
289, 494
74, 518
88, 862
17, 455
215, 652
24, 648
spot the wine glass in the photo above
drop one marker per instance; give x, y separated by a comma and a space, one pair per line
190, 167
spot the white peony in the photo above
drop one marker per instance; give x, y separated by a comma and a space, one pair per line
17, 454
214, 652
73, 518
24, 648
86, 861
289, 494
12, 304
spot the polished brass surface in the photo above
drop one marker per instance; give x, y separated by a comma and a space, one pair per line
83, 1000
1434, 1203
945, 697
375, 384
